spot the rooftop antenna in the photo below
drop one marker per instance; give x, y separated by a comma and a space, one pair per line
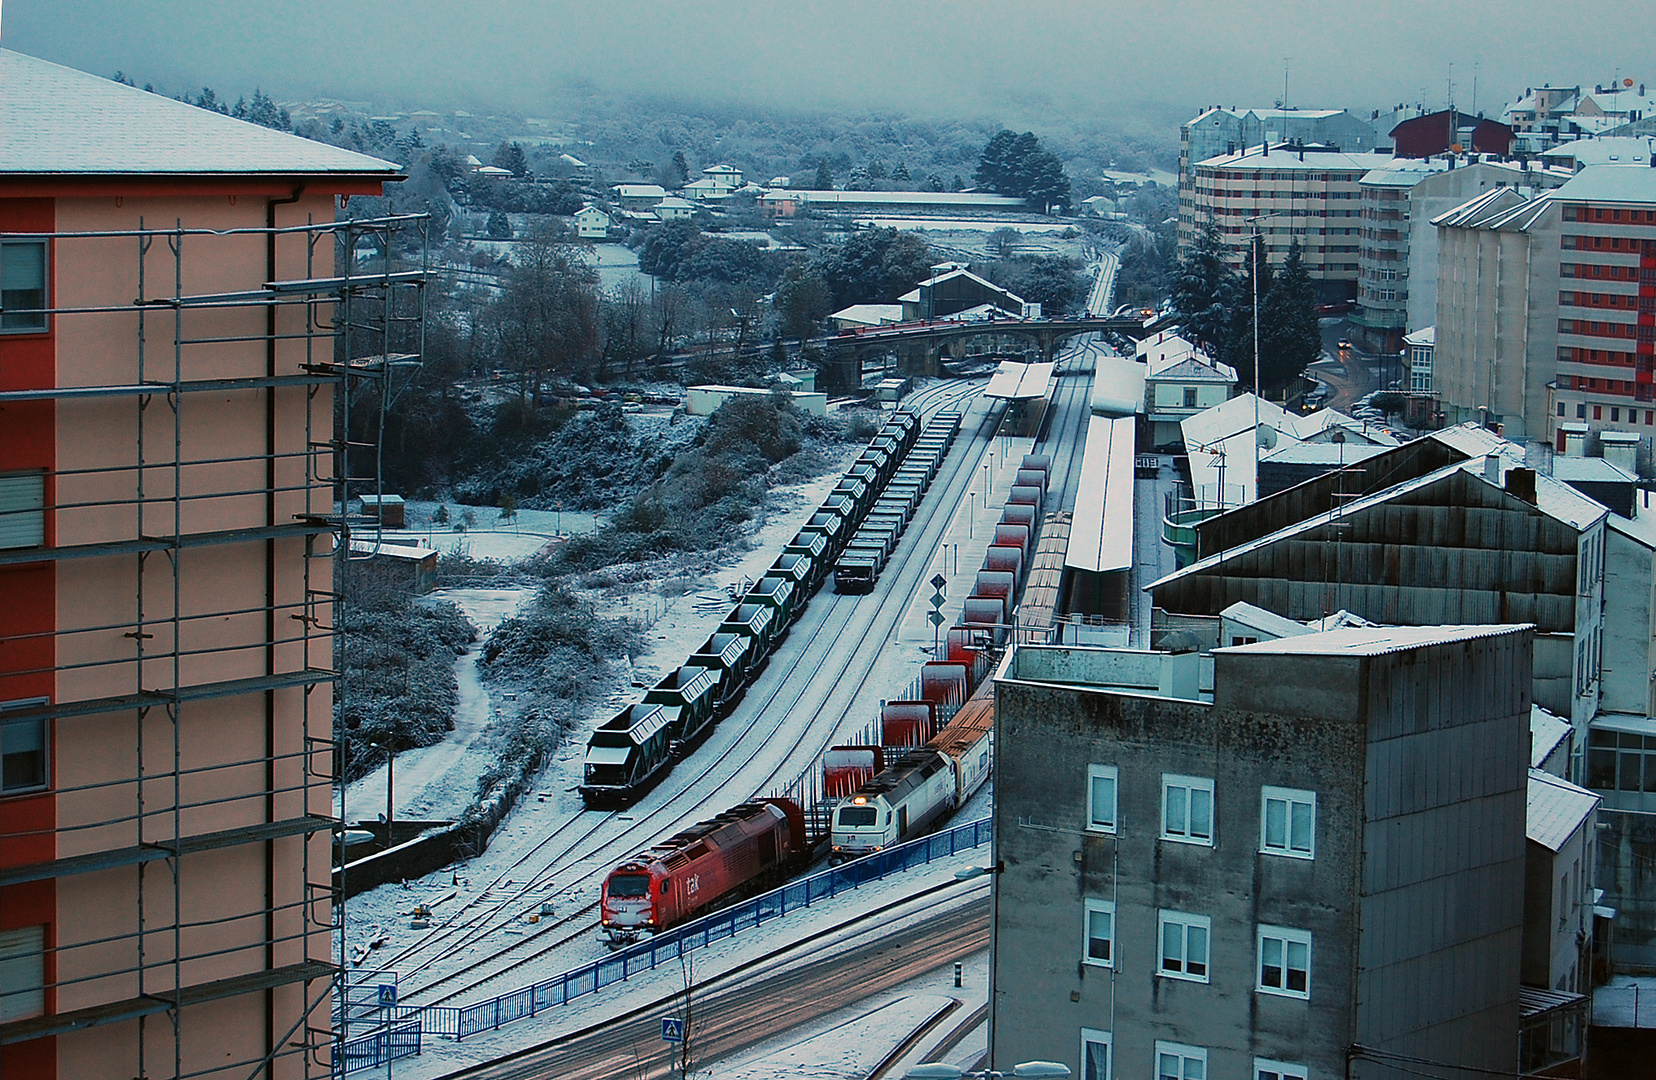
1475, 65
1451, 90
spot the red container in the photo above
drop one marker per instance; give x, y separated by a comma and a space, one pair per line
907, 723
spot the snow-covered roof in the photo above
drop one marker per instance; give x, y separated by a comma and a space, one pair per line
1610, 183
1555, 809
870, 314
1105, 494
1292, 159
673, 202
1016, 382
1547, 732
641, 191
1608, 150
58, 121
1267, 622
1373, 640
1424, 336
1404, 172
955, 199
1554, 498
1589, 470
572, 161
1118, 387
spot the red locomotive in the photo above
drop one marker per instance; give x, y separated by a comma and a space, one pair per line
738, 852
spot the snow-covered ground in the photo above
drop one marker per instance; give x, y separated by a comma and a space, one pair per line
820, 1050
437, 783
679, 613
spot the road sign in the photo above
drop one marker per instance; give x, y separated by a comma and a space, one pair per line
936, 618
672, 1029
387, 995
939, 582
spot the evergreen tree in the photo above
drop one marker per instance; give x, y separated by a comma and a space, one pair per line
995, 163
876, 169
934, 182
1204, 293
1289, 338
900, 175
824, 177
681, 168
510, 156
500, 228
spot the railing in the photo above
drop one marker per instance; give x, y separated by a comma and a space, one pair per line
1624, 1007
378, 1047
410, 1021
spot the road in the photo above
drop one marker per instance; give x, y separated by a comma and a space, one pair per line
726, 1014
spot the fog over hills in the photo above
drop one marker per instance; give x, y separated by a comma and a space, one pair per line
1014, 63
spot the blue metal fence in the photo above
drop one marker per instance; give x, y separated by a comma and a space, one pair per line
386, 1044
529, 1001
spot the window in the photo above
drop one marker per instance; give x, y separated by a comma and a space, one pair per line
1095, 1054
1175, 1061
1101, 798
1288, 822
1100, 933
1278, 1070
1187, 809
23, 286
1284, 961
22, 973
22, 510
1184, 945
22, 749
1190, 397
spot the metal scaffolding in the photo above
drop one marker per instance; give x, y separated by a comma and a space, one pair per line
333, 341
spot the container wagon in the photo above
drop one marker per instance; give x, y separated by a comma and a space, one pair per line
626, 756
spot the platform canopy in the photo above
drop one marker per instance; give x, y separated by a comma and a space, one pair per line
1019, 382
1101, 535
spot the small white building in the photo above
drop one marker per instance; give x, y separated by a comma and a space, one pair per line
726, 176
1180, 381
639, 196
592, 223
705, 400
673, 208
1558, 883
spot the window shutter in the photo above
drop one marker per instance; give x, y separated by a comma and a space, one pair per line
22, 510
22, 972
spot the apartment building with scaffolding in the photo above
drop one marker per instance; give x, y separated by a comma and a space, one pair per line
172, 378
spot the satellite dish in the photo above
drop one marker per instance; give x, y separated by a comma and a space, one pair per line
1266, 435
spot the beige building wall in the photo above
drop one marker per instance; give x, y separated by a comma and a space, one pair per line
124, 918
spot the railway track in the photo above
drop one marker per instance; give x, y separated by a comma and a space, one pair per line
585, 839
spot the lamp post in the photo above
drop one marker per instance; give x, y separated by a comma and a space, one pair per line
967, 873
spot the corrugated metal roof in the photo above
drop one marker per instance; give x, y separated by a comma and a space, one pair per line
59, 121
1257, 618
1611, 183
1105, 495
1553, 498
1555, 809
1373, 640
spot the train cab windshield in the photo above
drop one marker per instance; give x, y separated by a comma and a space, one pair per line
857, 815
628, 886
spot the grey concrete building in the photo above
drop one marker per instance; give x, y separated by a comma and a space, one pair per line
1322, 857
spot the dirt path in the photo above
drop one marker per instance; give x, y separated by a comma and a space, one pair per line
438, 782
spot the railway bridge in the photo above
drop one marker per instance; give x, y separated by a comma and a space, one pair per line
923, 347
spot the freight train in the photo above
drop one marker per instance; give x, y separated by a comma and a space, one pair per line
870, 545
633, 750
922, 788
736, 854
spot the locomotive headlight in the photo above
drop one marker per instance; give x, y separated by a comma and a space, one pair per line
860, 800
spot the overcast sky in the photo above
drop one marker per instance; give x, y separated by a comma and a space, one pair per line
923, 57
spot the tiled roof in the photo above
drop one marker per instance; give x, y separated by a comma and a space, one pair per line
58, 121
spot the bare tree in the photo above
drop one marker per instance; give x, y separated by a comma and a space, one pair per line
548, 311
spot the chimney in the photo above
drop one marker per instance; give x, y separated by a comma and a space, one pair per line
1621, 448
1492, 468
1520, 482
